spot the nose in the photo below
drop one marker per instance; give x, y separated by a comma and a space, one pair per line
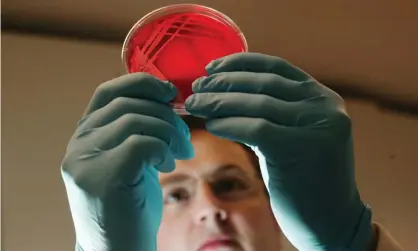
209, 210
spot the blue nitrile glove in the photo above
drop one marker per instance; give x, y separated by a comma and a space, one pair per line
302, 135
110, 168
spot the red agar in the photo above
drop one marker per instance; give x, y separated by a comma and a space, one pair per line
177, 47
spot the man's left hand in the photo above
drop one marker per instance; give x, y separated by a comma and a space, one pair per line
302, 135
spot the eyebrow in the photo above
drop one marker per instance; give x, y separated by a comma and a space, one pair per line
223, 169
229, 168
174, 179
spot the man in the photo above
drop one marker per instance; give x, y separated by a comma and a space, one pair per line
134, 171
217, 199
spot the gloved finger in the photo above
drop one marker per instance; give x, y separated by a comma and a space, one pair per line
138, 154
256, 62
258, 83
135, 85
218, 105
245, 130
113, 134
121, 106
263, 134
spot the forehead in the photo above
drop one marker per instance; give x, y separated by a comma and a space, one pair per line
211, 154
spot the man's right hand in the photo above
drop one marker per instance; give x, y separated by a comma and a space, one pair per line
127, 134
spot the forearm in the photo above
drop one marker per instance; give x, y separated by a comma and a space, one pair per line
112, 226
383, 241
374, 240
133, 236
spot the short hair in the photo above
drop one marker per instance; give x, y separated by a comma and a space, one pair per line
196, 123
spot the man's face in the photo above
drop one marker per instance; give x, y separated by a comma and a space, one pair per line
216, 201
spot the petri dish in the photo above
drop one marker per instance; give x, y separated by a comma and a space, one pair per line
176, 42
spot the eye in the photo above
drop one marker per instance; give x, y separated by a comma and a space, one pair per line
176, 196
229, 185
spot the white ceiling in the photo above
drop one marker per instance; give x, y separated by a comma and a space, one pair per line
368, 46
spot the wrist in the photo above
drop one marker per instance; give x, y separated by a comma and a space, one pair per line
375, 239
364, 236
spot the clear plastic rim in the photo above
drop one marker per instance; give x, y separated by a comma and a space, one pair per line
179, 8
179, 108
